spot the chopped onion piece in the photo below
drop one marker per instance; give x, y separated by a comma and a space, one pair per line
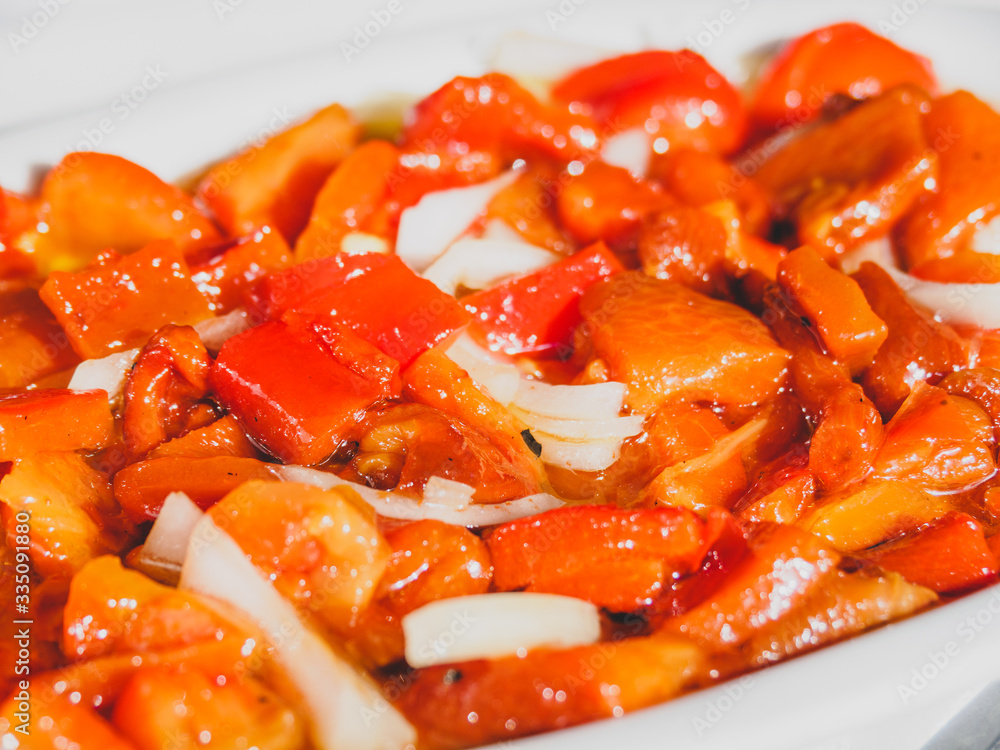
167, 543
400, 507
961, 304
447, 492
215, 332
479, 263
582, 430
106, 374
356, 243
498, 378
630, 149
987, 238
595, 401
346, 710
498, 229
488, 626
594, 455
439, 218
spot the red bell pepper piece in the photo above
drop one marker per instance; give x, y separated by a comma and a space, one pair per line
496, 115
615, 558
690, 102
300, 389
948, 555
54, 420
841, 59
224, 274
117, 302
355, 290
538, 312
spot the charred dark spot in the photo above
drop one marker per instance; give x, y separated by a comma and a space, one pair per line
533, 445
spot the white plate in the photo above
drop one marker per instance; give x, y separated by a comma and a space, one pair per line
219, 73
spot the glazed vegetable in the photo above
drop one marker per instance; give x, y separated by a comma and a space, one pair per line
536, 412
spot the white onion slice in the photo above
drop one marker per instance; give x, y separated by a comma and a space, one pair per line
594, 455
582, 430
167, 543
106, 374
961, 304
448, 492
215, 332
987, 238
595, 401
347, 711
630, 149
439, 218
498, 229
400, 507
479, 263
356, 243
487, 626
498, 378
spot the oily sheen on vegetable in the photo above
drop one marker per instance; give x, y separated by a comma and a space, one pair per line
536, 412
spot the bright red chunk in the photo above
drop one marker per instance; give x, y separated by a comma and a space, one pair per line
841, 59
300, 390
116, 303
950, 554
689, 101
54, 420
539, 312
376, 296
615, 558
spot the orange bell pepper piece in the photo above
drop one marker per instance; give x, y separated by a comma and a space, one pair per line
349, 197
57, 724
686, 245
607, 203
835, 307
937, 441
666, 341
184, 706
90, 202
964, 133
224, 437
274, 182
528, 207
32, 343
617, 559
916, 342
226, 273
784, 567
54, 420
479, 702
73, 513
117, 302
948, 555
837, 202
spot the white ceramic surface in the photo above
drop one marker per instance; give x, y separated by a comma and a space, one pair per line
214, 74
